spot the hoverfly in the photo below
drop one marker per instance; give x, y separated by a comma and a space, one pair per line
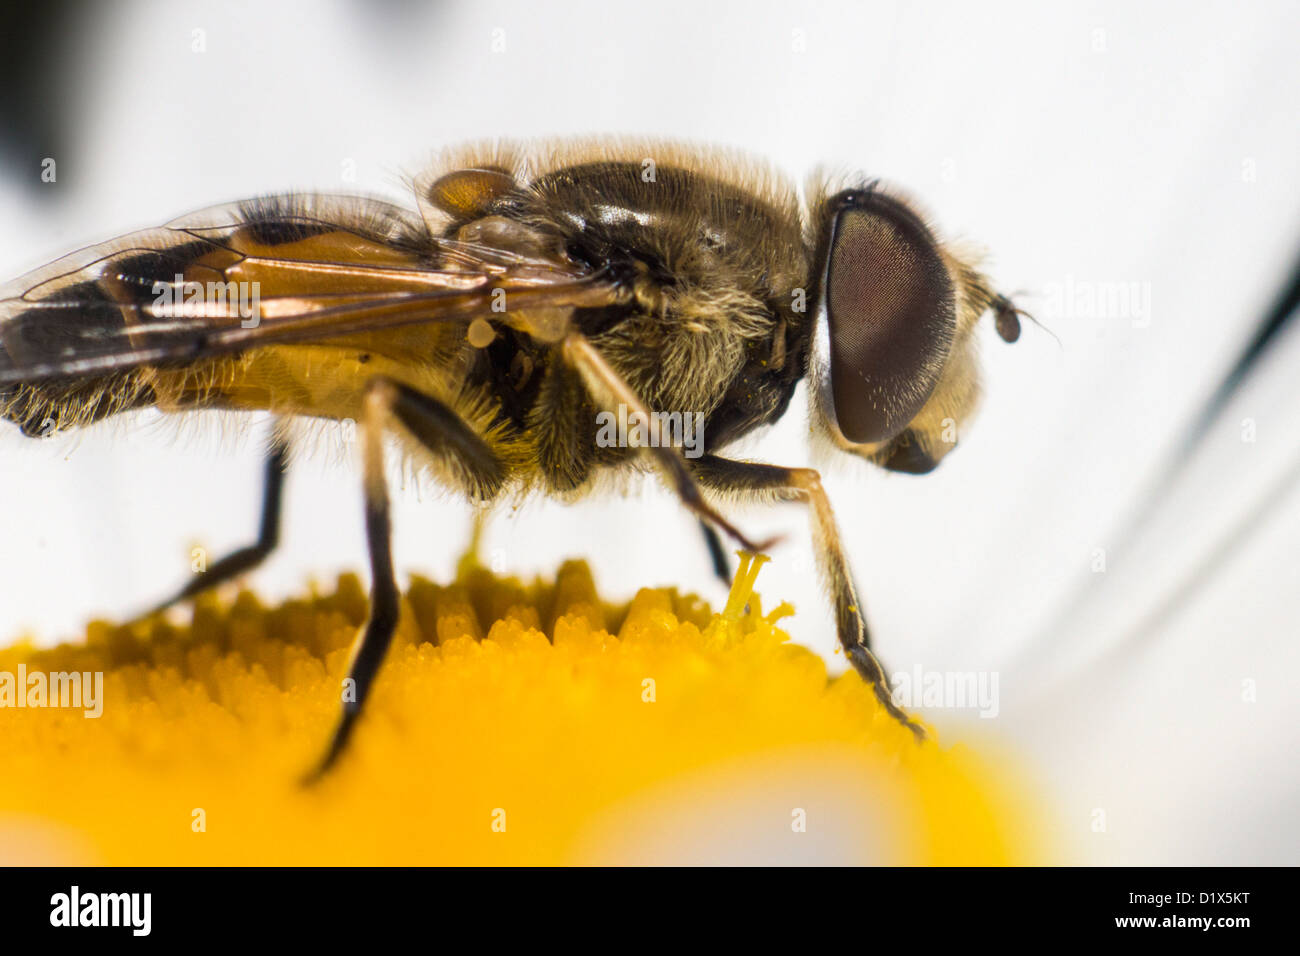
537, 287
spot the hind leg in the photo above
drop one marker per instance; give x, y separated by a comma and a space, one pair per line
268, 535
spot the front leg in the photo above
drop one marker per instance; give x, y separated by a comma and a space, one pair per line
609, 390
772, 482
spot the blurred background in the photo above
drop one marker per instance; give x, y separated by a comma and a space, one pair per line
1116, 539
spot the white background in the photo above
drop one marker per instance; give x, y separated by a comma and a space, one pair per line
1085, 145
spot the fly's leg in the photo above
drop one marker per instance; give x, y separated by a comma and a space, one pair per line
609, 391
443, 433
268, 536
771, 482
717, 554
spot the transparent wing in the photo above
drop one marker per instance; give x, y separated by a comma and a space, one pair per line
283, 269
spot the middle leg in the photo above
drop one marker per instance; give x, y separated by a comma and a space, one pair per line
441, 431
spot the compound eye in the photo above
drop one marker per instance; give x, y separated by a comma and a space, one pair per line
891, 315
